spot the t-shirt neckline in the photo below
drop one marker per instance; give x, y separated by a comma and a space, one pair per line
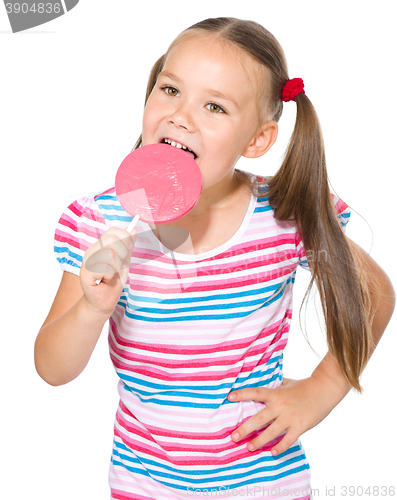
211, 253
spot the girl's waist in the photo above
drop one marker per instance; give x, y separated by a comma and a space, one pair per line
197, 414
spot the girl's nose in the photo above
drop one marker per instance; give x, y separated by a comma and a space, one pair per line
181, 118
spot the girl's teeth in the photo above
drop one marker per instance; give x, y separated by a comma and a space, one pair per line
175, 144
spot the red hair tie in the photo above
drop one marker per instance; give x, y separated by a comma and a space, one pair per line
291, 89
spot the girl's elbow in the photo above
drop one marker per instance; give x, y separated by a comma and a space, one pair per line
50, 379
43, 369
384, 302
388, 295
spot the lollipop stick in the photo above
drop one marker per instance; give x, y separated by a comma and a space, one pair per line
133, 223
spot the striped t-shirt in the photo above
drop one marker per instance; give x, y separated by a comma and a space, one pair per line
187, 330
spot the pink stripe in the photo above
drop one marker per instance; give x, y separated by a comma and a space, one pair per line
237, 250
88, 213
80, 226
215, 285
291, 480
339, 204
165, 492
169, 349
189, 377
205, 286
226, 268
279, 257
223, 433
239, 454
200, 363
77, 243
200, 350
169, 446
143, 484
160, 431
111, 190
273, 241
122, 495
83, 229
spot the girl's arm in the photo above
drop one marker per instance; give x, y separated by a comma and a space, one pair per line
328, 372
80, 309
69, 334
298, 405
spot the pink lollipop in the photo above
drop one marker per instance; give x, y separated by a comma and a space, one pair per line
158, 184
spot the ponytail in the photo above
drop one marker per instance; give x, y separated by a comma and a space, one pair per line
299, 191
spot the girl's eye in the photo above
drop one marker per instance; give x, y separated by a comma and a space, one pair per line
172, 91
215, 108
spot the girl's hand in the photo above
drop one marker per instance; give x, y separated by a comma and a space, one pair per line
295, 406
107, 259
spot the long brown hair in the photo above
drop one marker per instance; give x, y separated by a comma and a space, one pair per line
299, 192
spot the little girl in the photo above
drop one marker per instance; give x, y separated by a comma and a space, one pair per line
197, 340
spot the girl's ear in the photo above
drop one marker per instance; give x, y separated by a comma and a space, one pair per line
262, 142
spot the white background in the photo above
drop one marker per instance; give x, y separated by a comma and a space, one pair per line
72, 94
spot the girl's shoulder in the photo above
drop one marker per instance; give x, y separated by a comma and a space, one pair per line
257, 184
102, 208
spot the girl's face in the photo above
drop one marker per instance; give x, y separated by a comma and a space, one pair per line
206, 100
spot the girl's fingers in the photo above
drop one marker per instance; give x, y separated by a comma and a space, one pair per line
260, 394
105, 262
260, 419
272, 431
269, 434
287, 441
114, 243
118, 239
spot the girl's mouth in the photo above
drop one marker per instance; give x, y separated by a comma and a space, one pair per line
178, 145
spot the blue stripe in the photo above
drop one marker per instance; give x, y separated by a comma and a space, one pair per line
119, 218
112, 207
107, 197
225, 478
209, 307
176, 390
131, 469
68, 262
188, 404
186, 310
252, 463
219, 296
243, 483
231, 477
68, 252
187, 318
266, 208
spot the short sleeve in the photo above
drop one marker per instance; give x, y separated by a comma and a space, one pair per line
343, 212
79, 227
